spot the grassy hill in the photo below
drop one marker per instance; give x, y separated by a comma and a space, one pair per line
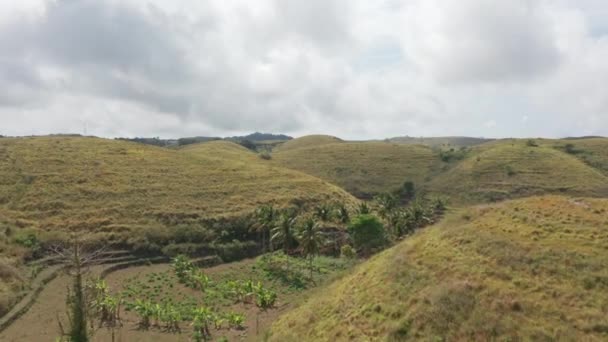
308, 141
362, 168
592, 151
529, 269
441, 141
511, 168
98, 184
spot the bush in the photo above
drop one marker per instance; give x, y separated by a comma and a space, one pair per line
236, 250
348, 252
367, 233
265, 156
531, 143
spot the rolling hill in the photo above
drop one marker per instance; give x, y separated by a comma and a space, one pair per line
528, 269
362, 168
592, 151
96, 184
308, 141
441, 141
511, 168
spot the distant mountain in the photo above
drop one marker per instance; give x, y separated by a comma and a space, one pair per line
253, 137
257, 136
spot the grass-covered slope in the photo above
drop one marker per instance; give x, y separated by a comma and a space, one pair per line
513, 169
308, 141
363, 168
592, 151
441, 141
58, 183
525, 270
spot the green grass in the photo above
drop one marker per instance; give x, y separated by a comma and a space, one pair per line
363, 168
308, 141
510, 168
529, 269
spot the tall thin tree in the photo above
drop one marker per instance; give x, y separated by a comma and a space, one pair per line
311, 239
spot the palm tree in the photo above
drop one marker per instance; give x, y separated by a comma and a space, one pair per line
363, 209
264, 220
323, 212
386, 204
311, 239
282, 231
342, 213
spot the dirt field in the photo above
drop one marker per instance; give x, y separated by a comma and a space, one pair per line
40, 322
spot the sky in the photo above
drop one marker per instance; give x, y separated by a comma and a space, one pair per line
357, 69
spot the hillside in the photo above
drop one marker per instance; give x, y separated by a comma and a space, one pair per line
105, 185
308, 141
362, 168
511, 168
441, 141
530, 269
592, 151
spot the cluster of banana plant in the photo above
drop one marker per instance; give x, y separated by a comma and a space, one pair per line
247, 291
188, 274
204, 317
166, 315
103, 305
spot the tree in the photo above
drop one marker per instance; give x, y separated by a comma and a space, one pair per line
265, 217
342, 213
77, 259
311, 239
363, 209
408, 191
323, 212
248, 144
367, 233
569, 148
282, 232
531, 143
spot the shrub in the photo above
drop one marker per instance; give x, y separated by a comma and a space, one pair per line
348, 252
236, 250
531, 143
367, 233
265, 155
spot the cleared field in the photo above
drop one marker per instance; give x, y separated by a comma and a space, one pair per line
507, 169
529, 269
159, 284
363, 168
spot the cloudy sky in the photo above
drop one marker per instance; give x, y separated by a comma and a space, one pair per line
351, 68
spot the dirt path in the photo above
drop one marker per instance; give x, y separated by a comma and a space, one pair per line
37, 285
39, 323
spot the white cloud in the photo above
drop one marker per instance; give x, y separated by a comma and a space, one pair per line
357, 69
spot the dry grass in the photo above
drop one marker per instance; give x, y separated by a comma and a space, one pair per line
510, 168
363, 168
530, 269
308, 141
98, 184
116, 190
